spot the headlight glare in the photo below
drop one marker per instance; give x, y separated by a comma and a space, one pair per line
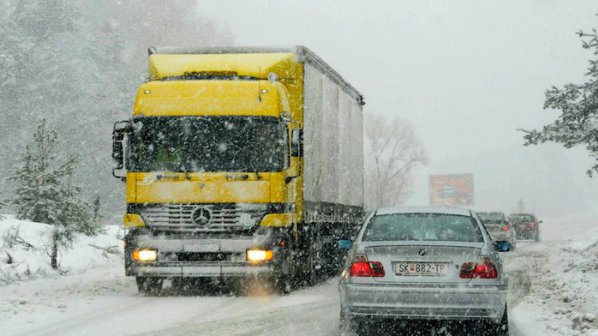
145, 255
258, 256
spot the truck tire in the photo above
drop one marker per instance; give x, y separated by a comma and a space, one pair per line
149, 286
287, 279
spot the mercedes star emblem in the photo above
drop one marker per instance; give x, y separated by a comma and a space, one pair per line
201, 216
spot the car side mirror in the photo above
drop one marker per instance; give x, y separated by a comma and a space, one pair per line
502, 246
540, 222
345, 244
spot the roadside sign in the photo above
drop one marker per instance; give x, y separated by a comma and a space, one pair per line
451, 190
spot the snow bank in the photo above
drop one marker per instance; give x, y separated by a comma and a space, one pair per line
562, 295
25, 246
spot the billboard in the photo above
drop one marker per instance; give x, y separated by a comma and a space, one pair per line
451, 190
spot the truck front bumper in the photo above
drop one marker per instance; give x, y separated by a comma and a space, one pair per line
195, 270
179, 256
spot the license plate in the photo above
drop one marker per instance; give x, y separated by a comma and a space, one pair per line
421, 268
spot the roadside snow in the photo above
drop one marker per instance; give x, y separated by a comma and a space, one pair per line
25, 246
557, 280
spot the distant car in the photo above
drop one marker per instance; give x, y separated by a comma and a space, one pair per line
499, 227
526, 225
423, 264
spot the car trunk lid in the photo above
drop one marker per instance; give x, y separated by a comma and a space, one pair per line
396, 255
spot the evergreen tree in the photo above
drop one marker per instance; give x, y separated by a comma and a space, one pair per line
46, 194
80, 62
578, 122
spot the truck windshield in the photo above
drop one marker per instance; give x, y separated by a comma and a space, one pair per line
184, 144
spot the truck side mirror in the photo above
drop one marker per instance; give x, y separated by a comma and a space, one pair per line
121, 128
297, 142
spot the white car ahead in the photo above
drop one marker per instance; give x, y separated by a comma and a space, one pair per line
423, 264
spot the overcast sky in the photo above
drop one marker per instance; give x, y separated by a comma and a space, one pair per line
467, 74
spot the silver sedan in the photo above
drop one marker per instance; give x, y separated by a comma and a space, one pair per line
423, 264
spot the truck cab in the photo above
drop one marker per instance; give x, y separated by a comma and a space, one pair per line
212, 159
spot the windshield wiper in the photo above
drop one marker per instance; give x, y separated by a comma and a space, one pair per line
182, 166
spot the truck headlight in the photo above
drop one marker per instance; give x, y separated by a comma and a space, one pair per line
258, 256
145, 255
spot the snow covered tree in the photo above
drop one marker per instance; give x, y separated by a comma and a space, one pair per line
392, 152
578, 122
80, 62
45, 192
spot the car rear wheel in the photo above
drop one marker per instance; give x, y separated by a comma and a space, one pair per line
537, 236
352, 326
500, 329
344, 326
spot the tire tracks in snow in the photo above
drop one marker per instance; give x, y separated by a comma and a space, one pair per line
302, 319
72, 323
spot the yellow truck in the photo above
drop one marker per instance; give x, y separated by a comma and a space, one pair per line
239, 163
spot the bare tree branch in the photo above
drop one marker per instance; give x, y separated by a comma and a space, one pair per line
392, 153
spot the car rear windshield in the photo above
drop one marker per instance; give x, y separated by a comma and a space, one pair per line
491, 216
423, 227
522, 218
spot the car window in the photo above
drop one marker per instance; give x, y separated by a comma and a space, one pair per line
423, 227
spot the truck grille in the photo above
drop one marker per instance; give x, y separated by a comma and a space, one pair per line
202, 217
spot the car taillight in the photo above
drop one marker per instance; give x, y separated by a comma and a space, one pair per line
363, 268
506, 227
485, 270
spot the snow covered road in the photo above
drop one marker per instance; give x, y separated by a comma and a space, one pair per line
102, 302
543, 301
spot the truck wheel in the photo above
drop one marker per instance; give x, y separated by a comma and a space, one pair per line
310, 277
284, 284
180, 285
149, 286
286, 276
